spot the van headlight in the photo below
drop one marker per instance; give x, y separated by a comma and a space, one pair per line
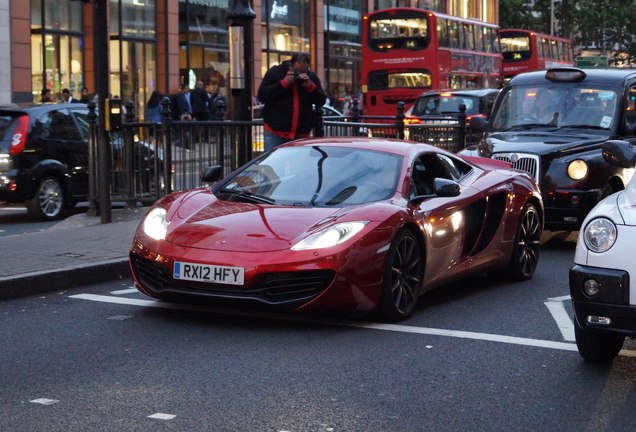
155, 225
600, 235
577, 169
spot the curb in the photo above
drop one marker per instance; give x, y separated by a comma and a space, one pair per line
61, 279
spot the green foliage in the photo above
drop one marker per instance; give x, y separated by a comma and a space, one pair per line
608, 25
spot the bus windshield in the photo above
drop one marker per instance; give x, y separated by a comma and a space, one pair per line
388, 33
515, 47
412, 78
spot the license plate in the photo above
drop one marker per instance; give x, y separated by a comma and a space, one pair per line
208, 273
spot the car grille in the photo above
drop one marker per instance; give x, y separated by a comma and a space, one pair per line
285, 288
521, 161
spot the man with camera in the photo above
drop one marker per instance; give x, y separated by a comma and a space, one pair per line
289, 92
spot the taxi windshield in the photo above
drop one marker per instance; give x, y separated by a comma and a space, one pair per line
556, 106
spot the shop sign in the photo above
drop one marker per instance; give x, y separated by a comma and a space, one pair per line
342, 20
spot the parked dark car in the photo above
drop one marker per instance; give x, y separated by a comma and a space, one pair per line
553, 124
447, 102
44, 157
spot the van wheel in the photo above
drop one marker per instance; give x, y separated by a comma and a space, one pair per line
597, 346
48, 201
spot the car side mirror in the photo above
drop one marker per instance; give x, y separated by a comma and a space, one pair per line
441, 188
212, 174
619, 153
446, 188
479, 124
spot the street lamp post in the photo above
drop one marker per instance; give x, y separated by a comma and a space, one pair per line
241, 31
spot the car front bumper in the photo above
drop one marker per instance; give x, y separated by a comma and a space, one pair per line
609, 310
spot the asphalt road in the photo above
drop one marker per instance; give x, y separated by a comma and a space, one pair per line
479, 355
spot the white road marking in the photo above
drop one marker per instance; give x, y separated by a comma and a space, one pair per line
125, 291
119, 317
44, 401
342, 323
162, 416
557, 308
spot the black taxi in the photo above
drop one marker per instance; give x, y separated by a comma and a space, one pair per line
553, 124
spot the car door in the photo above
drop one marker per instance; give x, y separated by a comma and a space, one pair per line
62, 140
452, 225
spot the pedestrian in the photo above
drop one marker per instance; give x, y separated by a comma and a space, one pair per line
200, 102
153, 108
84, 98
218, 106
289, 92
46, 96
67, 97
184, 109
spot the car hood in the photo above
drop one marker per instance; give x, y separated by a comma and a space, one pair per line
540, 142
202, 221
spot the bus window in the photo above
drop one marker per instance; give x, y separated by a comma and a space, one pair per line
479, 42
453, 34
469, 36
442, 33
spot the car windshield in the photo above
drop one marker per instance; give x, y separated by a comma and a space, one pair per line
557, 106
316, 176
445, 104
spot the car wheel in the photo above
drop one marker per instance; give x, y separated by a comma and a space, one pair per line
525, 253
48, 201
402, 279
597, 346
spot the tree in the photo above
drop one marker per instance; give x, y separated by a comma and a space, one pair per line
606, 25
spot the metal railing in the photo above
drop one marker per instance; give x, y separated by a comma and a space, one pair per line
149, 160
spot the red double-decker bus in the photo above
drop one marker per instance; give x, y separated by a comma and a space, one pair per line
406, 51
526, 50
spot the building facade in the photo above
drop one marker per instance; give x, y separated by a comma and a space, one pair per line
162, 44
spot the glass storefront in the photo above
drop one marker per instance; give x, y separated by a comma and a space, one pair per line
342, 50
57, 60
204, 44
285, 30
133, 58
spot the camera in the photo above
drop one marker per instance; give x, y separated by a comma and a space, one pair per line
297, 76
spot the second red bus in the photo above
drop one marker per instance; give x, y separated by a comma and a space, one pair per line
525, 51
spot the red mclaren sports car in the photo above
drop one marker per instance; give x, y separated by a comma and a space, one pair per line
339, 224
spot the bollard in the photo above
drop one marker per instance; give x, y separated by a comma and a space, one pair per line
319, 125
399, 120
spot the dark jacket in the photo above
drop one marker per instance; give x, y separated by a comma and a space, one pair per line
199, 101
279, 113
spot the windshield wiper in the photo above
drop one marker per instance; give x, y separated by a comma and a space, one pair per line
583, 126
248, 196
527, 126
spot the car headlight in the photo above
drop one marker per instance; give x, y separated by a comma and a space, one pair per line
577, 169
155, 225
600, 235
330, 236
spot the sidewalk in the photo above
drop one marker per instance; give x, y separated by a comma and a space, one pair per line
76, 251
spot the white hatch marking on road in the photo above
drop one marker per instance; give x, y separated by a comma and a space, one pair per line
162, 416
44, 401
120, 317
557, 308
124, 291
342, 323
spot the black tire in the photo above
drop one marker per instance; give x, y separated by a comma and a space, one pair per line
403, 270
596, 346
525, 253
48, 201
